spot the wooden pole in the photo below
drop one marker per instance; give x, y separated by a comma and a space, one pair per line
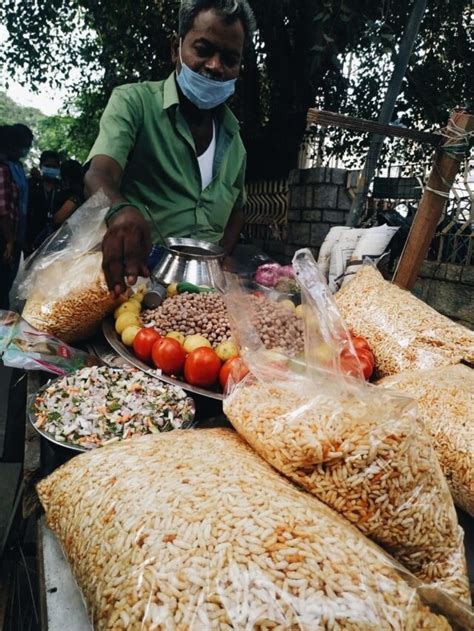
323, 118
445, 168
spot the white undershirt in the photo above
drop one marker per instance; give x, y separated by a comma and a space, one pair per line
206, 160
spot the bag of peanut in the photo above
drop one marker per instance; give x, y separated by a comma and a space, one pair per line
63, 284
445, 399
194, 531
404, 333
356, 447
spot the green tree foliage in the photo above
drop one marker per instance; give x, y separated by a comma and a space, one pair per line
300, 57
11, 113
59, 133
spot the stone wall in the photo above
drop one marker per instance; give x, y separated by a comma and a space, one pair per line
318, 200
449, 289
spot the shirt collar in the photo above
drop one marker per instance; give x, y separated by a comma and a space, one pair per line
225, 116
170, 92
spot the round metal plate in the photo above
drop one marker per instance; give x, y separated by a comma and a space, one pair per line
49, 437
108, 329
72, 446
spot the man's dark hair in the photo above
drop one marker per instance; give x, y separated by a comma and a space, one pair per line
5, 138
230, 10
50, 155
21, 135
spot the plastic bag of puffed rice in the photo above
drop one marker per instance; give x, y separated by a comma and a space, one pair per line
404, 333
63, 283
358, 448
163, 532
445, 399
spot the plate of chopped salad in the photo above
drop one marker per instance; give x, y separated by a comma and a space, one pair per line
98, 406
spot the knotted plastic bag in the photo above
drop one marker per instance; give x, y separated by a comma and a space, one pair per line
63, 284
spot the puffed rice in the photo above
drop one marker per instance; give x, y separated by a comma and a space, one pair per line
195, 532
366, 456
70, 299
446, 404
404, 333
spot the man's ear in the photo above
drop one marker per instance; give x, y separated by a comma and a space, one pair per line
175, 48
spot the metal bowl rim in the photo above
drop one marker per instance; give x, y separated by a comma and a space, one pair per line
215, 251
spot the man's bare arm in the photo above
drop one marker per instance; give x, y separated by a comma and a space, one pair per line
104, 173
232, 230
127, 243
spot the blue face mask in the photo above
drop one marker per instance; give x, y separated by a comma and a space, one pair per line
51, 173
204, 93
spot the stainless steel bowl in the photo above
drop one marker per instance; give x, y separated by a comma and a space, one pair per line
192, 261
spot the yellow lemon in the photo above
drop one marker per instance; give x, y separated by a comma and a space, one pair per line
226, 350
126, 319
195, 341
176, 335
287, 304
128, 335
299, 311
172, 290
131, 306
137, 297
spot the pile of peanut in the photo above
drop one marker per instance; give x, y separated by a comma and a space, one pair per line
206, 314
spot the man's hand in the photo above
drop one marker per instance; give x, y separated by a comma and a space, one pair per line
125, 249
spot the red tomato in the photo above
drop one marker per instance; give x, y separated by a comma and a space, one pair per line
202, 367
169, 355
360, 342
353, 366
363, 353
235, 367
367, 361
349, 364
143, 343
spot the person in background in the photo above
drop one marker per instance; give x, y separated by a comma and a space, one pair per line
43, 200
72, 194
15, 142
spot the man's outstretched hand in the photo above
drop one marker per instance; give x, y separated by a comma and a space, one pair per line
125, 249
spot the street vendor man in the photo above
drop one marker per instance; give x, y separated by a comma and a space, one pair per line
169, 154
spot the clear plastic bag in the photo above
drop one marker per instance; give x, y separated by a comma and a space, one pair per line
445, 398
22, 346
403, 332
63, 283
193, 531
356, 447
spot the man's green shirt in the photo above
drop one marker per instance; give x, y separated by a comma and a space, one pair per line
143, 129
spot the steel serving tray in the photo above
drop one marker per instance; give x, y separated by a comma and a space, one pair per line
108, 329
72, 446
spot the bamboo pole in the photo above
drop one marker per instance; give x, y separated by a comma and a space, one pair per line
445, 168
